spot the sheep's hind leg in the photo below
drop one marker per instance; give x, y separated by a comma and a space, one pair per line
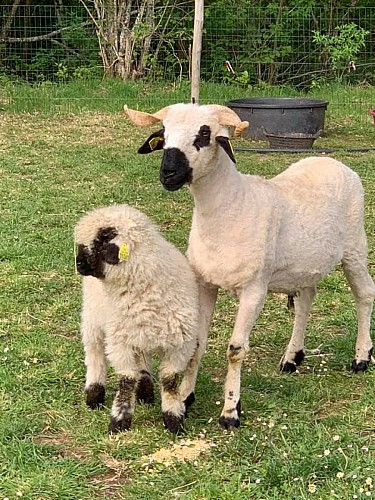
173, 407
363, 289
251, 303
207, 300
145, 386
96, 365
294, 353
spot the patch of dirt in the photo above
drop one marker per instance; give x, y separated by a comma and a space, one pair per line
335, 407
110, 482
65, 443
186, 449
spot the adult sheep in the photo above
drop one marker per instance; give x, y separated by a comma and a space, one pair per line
250, 235
140, 296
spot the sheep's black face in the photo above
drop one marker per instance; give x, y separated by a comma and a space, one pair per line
90, 260
175, 170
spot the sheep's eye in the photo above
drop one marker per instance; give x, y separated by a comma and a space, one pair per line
203, 137
204, 131
104, 235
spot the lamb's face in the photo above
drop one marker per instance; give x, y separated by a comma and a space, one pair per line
191, 139
103, 239
93, 256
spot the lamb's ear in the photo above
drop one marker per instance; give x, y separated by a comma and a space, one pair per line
114, 255
153, 143
224, 142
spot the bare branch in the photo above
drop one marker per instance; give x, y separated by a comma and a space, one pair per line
43, 37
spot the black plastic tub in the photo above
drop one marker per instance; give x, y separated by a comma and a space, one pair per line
281, 115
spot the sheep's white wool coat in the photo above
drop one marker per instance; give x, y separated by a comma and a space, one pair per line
293, 227
149, 301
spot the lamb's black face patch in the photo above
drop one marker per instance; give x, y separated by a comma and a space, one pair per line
84, 261
90, 261
203, 137
175, 170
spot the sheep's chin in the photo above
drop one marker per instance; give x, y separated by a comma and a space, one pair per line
173, 187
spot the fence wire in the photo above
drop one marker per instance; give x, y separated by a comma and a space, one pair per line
282, 46
262, 45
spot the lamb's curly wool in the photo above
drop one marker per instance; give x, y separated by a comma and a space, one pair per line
140, 296
250, 235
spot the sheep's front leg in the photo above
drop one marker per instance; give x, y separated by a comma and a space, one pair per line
126, 364
96, 365
251, 303
363, 289
207, 300
294, 353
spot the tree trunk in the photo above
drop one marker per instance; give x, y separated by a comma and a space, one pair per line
7, 24
124, 29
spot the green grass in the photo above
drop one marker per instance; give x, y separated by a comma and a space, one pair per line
61, 159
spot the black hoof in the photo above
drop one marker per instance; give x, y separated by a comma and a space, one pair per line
299, 357
116, 426
173, 423
288, 367
189, 400
95, 394
145, 389
291, 367
360, 367
229, 423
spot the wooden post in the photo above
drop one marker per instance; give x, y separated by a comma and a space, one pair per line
197, 50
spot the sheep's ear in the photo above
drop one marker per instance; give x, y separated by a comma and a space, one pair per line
153, 143
142, 119
224, 142
228, 117
114, 255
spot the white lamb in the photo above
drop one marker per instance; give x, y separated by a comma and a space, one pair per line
250, 235
140, 296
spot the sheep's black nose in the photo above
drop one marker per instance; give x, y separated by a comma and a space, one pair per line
175, 170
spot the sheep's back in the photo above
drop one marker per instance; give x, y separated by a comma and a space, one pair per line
323, 218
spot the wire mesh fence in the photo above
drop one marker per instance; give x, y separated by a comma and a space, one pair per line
264, 45
283, 46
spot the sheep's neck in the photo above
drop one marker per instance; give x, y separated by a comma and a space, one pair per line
219, 191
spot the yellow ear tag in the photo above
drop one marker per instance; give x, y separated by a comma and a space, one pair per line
154, 142
123, 253
231, 148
